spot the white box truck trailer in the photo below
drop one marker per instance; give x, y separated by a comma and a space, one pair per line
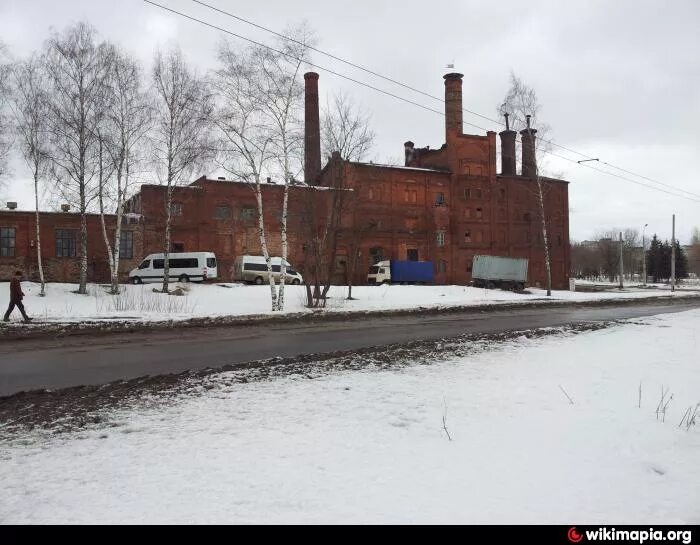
490, 271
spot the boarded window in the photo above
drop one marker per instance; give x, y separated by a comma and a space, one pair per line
411, 196
479, 213
501, 194
472, 193
248, 213
223, 212
442, 266
176, 209
467, 237
66, 242
7, 241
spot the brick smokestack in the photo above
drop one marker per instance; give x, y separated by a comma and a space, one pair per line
508, 150
453, 104
312, 129
529, 158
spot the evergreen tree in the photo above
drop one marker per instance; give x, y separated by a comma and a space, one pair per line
681, 262
654, 259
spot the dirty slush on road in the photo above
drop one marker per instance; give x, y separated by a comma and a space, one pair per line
91, 407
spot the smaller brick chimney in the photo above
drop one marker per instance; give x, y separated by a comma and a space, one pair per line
312, 129
529, 146
508, 149
453, 104
408, 149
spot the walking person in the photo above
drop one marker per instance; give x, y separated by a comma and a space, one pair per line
16, 296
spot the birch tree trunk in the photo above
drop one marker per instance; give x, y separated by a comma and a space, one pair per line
38, 231
547, 261
166, 249
263, 245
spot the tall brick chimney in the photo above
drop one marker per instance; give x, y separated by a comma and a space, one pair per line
529, 158
453, 104
508, 150
312, 129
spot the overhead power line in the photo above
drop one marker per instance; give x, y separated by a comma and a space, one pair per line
406, 100
423, 93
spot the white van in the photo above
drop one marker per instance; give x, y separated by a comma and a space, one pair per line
253, 269
184, 267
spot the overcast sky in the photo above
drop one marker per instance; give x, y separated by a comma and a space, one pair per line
618, 80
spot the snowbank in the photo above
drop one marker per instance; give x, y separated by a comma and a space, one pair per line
140, 303
368, 446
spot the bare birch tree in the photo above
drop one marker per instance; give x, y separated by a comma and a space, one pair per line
30, 106
5, 131
77, 68
261, 124
181, 134
245, 142
128, 121
523, 106
346, 130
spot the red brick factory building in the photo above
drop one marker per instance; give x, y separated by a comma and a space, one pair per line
443, 205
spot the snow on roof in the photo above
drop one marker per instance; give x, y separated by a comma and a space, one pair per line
401, 167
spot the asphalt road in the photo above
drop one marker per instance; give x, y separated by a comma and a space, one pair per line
83, 360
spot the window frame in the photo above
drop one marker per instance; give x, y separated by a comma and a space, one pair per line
69, 251
10, 249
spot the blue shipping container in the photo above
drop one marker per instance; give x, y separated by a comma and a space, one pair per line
412, 271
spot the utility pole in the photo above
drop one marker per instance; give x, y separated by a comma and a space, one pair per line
673, 254
621, 266
644, 255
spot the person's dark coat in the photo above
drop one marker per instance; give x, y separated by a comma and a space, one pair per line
16, 293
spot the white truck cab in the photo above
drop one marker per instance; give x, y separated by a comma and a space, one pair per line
380, 273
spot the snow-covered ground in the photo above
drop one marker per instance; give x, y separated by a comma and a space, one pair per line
351, 446
140, 303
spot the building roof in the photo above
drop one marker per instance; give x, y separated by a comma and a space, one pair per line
400, 167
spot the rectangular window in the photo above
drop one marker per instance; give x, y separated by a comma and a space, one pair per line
376, 254
440, 238
412, 254
126, 245
501, 194
467, 213
411, 196
411, 223
468, 237
176, 209
177, 247
66, 242
7, 241
440, 199
223, 212
258, 267
479, 213
442, 266
248, 213
184, 263
472, 193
